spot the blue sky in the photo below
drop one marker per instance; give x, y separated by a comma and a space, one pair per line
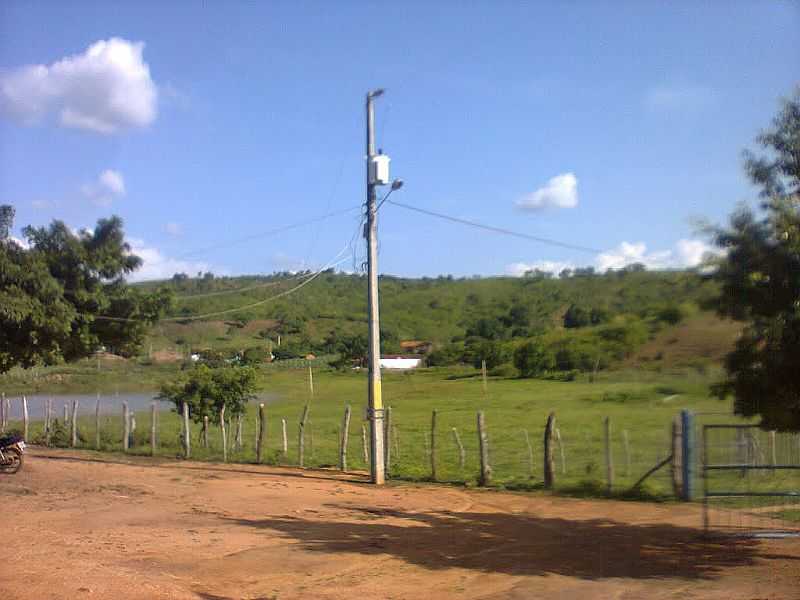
611, 125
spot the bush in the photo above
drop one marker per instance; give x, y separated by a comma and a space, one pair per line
672, 314
505, 370
532, 358
450, 354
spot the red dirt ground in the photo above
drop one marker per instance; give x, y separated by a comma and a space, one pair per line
78, 525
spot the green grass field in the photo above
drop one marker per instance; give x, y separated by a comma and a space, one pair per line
640, 404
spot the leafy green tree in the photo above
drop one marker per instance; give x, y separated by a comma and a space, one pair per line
65, 295
532, 358
576, 316
206, 390
759, 278
493, 352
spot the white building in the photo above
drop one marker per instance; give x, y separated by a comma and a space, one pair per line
401, 361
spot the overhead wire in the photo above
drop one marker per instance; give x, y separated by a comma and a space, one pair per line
270, 232
494, 229
334, 262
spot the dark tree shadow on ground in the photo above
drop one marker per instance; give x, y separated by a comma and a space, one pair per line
522, 544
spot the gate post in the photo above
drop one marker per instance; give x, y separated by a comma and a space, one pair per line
687, 452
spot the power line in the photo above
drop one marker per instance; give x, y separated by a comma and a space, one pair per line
308, 280
494, 229
270, 232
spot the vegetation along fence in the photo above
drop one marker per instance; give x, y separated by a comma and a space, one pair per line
585, 453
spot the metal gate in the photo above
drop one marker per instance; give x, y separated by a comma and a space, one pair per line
751, 481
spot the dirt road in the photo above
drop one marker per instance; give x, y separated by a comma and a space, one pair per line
79, 526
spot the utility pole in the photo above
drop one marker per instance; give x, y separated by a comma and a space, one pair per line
377, 466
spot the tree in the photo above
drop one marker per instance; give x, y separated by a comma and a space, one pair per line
206, 390
532, 358
65, 295
576, 316
478, 350
759, 278
6, 221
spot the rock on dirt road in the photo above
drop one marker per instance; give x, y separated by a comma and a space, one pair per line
80, 525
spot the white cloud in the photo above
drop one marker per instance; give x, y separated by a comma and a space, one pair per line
519, 269
106, 89
686, 253
678, 97
172, 228
157, 266
40, 204
560, 192
109, 186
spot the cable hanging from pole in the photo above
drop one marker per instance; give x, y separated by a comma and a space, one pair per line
494, 229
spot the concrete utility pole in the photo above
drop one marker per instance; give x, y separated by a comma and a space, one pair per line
377, 466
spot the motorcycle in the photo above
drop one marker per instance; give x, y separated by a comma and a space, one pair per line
12, 449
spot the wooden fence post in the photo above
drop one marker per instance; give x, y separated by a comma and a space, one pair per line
483, 379
66, 414
609, 457
549, 468
343, 441
153, 428
561, 452
49, 431
676, 470
627, 447
364, 446
530, 452
2, 412
205, 432
97, 422
239, 445
262, 426
485, 477
301, 437
73, 438
387, 439
25, 418
433, 445
285, 439
126, 427
223, 433
187, 434
773, 458
460, 446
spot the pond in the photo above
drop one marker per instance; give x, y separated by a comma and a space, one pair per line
109, 403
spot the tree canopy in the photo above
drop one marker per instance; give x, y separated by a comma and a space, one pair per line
206, 390
759, 278
64, 295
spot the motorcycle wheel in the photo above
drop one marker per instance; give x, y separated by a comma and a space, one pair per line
14, 463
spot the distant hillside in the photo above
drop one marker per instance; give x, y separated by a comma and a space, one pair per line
442, 310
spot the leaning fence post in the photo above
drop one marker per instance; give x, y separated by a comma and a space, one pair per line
677, 485
262, 426
609, 456
187, 436
626, 445
25, 418
364, 446
530, 452
73, 439
343, 442
126, 427
285, 439
387, 439
687, 454
433, 445
485, 477
153, 428
301, 441
97, 422
549, 468
49, 431
460, 446
223, 433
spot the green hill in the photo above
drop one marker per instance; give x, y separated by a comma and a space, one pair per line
617, 314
